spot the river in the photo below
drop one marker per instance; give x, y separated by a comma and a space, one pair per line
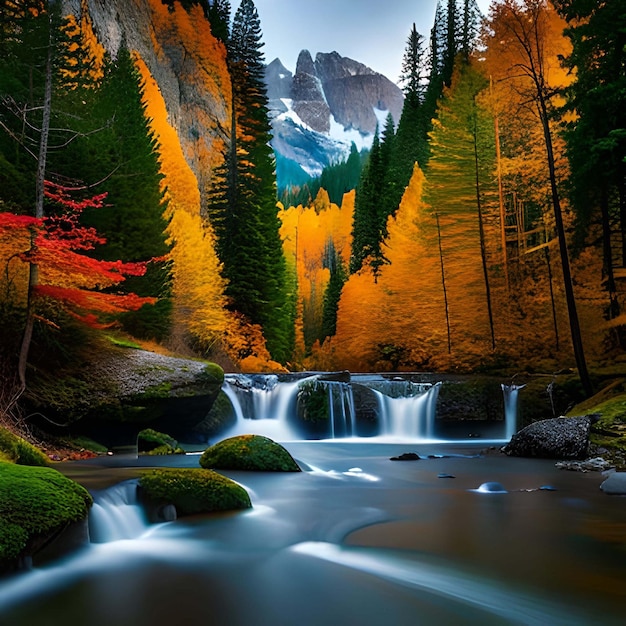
354, 539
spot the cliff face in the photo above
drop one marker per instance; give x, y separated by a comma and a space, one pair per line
186, 61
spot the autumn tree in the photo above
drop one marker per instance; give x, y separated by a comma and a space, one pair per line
460, 190
521, 32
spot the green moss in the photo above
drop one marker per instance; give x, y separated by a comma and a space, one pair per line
193, 490
35, 502
154, 443
212, 373
123, 343
313, 402
18, 450
610, 431
249, 452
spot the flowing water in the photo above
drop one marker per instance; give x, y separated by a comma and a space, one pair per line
461, 536
405, 410
354, 539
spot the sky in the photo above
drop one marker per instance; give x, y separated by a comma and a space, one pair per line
373, 32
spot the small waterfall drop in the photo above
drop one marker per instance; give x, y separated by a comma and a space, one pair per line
262, 405
408, 416
341, 413
116, 514
510, 408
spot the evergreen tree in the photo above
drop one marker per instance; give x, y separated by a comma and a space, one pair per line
338, 277
470, 22
451, 41
411, 138
218, 13
243, 210
596, 137
116, 147
372, 206
461, 191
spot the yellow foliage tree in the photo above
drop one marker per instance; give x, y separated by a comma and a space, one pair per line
309, 235
199, 304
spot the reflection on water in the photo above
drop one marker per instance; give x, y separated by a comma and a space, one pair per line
356, 539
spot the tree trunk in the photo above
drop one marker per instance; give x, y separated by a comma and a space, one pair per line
570, 299
443, 283
33, 274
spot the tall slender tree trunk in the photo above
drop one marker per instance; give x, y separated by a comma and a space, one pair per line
33, 274
443, 284
570, 298
481, 230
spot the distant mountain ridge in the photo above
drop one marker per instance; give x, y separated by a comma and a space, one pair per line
318, 112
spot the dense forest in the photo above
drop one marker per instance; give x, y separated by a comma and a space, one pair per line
484, 230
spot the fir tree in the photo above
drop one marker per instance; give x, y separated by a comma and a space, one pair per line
243, 210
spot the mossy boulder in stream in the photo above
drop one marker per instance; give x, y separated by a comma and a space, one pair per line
192, 491
249, 452
36, 504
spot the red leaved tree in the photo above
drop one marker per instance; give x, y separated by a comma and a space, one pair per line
54, 249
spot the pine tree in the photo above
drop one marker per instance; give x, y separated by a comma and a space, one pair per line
461, 192
596, 137
218, 13
411, 137
244, 212
118, 148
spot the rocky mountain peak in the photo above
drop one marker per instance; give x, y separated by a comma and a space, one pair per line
333, 102
305, 64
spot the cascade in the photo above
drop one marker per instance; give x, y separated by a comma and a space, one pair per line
510, 408
396, 408
410, 415
341, 412
261, 404
116, 514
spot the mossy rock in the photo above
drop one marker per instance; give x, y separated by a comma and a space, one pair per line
249, 452
152, 442
17, 450
35, 504
193, 490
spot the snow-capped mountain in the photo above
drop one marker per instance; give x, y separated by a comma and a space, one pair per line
318, 112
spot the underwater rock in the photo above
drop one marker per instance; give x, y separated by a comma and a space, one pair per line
491, 487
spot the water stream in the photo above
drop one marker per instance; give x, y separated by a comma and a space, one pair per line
404, 410
355, 539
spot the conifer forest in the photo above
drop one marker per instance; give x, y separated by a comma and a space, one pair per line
485, 229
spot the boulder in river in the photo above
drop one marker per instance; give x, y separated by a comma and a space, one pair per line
557, 438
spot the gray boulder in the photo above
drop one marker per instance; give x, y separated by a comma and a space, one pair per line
615, 484
558, 438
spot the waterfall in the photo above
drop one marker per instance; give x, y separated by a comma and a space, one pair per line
510, 408
262, 405
408, 416
116, 514
341, 414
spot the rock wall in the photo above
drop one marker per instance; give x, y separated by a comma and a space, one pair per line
187, 62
